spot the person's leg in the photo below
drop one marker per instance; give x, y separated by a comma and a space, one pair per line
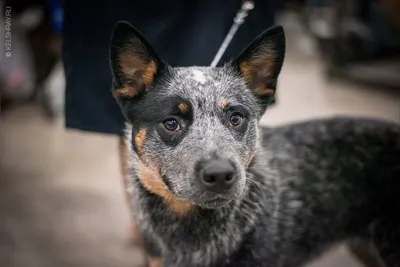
89, 104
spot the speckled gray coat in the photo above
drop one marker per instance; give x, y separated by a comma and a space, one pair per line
314, 184
299, 189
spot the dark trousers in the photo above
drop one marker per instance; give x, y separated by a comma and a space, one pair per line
182, 32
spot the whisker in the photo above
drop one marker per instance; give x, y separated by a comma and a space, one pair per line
256, 184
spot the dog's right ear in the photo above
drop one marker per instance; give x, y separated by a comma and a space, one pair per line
134, 63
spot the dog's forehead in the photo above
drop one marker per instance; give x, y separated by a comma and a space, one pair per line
192, 82
209, 88
200, 75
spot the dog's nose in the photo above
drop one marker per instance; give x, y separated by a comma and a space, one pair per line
218, 175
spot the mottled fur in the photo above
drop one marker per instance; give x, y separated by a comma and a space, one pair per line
300, 188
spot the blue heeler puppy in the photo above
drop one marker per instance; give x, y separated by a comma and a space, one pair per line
209, 187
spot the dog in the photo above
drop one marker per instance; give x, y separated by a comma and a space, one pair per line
210, 187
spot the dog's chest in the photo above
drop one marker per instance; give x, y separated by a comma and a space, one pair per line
184, 244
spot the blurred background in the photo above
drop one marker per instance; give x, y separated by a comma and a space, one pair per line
61, 193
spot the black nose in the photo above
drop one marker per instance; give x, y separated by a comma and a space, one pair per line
218, 175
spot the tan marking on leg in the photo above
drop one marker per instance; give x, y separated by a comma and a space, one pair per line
135, 235
140, 138
183, 107
154, 262
152, 181
124, 158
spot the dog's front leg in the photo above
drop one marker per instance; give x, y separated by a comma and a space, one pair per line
152, 252
154, 262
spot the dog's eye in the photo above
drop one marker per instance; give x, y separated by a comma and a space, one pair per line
236, 119
171, 125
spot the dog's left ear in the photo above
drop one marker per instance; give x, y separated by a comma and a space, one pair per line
261, 62
134, 63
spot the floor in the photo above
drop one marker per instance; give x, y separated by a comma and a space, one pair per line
61, 201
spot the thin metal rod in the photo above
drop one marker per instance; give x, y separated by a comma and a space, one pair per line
237, 21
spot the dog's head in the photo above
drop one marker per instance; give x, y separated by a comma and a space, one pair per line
194, 129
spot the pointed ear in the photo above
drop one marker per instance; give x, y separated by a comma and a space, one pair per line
261, 62
134, 63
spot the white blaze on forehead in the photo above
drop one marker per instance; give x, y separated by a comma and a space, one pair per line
199, 76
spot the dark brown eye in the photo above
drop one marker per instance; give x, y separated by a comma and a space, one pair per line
172, 125
236, 119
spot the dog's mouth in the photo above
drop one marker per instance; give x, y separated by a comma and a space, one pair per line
215, 203
218, 201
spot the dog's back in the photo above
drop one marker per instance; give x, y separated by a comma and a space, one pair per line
330, 180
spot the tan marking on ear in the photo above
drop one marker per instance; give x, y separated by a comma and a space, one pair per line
261, 90
125, 91
154, 262
183, 107
130, 63
139, 72
140, 137
256, 72
138, 68
223, 104
148, 73
247, 72
152, 181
